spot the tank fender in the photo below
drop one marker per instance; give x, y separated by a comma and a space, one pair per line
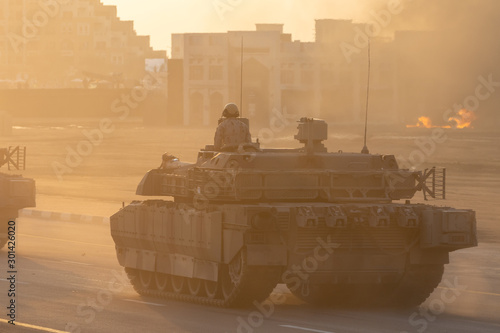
233, 243
235, 222
140, 259
17, 192
448, 228
240, 228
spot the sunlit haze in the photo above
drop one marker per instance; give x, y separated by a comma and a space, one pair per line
160, 18
246, 166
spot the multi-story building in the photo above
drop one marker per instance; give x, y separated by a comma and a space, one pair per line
279, 74
212, 72
53, 42
343, 48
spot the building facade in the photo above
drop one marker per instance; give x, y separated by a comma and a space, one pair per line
56, 42
281, 75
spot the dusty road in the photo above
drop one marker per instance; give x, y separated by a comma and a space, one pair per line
69, 280
97, 182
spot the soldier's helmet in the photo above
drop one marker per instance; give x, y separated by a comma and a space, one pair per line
231, 111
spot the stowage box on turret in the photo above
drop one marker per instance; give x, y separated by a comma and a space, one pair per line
336, 228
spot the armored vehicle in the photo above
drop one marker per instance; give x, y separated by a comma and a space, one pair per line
336, 228
16, 192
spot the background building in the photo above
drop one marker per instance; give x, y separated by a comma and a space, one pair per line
82, 43
281, 75
56, 44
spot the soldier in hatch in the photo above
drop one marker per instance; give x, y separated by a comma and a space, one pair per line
231, 131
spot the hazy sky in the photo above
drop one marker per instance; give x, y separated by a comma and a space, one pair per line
161, 18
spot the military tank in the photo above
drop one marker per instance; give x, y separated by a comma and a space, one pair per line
336, 228
16, 192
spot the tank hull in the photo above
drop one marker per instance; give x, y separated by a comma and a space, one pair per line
235, 254
16, 192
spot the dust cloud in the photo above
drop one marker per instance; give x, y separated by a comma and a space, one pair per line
462, 45
98, 102
435, 52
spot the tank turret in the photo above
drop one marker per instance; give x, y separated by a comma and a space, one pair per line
308, 173
242, 220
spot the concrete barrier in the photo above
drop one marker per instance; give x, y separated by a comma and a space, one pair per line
58, 216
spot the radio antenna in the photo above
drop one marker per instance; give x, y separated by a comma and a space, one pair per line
365, 148
241, 79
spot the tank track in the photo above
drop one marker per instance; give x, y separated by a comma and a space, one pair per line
415, 286
255, 284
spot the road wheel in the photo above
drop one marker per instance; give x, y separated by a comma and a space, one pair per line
178, 284
194, 286
162, 282
145, 279
212, 289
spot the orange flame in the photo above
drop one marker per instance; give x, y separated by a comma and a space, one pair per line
463, 119
426, 122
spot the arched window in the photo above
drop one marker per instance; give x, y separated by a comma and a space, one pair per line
216, 105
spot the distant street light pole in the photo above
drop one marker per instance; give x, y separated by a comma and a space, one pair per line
241, 79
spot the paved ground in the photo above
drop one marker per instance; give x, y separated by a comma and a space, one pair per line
69, 280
